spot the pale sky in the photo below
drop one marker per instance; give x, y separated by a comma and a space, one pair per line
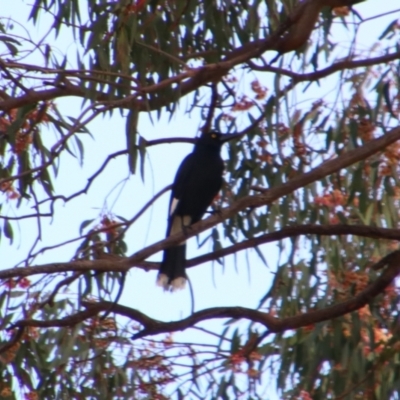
213, 285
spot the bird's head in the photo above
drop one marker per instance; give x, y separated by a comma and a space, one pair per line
216, 139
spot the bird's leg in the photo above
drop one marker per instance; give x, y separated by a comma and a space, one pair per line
185, 224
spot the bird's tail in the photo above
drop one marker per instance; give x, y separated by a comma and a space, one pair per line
171, 275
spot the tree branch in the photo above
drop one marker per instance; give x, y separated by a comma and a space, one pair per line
339, 66
272, 324
119, 264
299, 230
71, 320
270, 195
291, 35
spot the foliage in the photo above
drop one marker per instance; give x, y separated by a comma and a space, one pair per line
316, 172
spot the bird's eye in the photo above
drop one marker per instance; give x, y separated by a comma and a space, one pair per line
213, 135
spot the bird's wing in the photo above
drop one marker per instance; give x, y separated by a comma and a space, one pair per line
179, 182
182, 175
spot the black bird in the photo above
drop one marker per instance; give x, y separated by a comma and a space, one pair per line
197, 181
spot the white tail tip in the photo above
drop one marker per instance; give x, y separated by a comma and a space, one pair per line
162, 281
176, 284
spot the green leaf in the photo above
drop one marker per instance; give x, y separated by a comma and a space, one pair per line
12, 49
17, 124
81, 149
389, 29
131, 134
142, 153
386, 96
84, 224
8, 231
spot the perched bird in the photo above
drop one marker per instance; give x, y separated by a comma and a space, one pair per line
197, 181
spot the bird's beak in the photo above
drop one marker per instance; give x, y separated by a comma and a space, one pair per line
229, 137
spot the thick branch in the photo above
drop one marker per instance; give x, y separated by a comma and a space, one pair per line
272, 324
119, 264
291, 35
71, 320
35, 96
299, 230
